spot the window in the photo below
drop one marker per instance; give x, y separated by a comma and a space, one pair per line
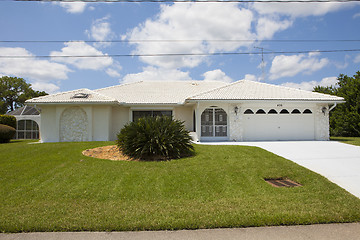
260, 111
284, 111
27, 129
248, 111
307, 111
272, 111
295, 111
151, 113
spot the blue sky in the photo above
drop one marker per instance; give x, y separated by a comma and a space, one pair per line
101, 22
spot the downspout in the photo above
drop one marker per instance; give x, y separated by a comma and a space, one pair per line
332, 107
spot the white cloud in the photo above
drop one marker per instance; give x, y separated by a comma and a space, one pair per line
357, 59
309, 86
156, 74
30, 67
251, 77
300, 9
356, 15
72, 7
44, 86
267, 27
82, 49
216, 75
112, 72
192, 21
289, 66
101, 31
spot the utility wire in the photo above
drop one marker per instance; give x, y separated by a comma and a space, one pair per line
179, 40
194, 1
181, 54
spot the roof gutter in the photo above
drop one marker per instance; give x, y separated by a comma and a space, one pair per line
332, 107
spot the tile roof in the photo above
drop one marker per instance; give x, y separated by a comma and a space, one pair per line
178, 92
76, 96
250, 90
158, 92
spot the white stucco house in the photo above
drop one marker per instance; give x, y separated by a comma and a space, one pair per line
212, 111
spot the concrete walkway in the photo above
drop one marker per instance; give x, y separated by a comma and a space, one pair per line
338, 162
350, 231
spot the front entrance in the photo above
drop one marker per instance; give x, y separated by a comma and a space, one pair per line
214, 123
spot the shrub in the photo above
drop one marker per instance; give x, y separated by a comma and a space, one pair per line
8, 120
155, 138
6, 133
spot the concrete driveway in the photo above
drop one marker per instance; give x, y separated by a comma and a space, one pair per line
338, 162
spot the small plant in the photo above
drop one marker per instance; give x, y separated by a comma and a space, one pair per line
155, 138
6, 133
8, 120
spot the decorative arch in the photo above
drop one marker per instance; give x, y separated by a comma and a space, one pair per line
73, 125
214, 122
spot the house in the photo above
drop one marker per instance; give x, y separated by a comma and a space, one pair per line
211, 111
27, 122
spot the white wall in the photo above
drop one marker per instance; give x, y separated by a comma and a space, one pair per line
185, 113
120, 116
101, 122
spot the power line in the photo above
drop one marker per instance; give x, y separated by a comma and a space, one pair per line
194, 1
181, 40
182, 54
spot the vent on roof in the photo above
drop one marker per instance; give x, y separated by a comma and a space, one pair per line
80, 95
282, 182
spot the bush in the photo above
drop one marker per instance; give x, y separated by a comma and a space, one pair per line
155, 138
8, 120
6, 133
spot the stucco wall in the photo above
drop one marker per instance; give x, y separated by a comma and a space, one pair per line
101, 125
120, 116
185, 113
49, 132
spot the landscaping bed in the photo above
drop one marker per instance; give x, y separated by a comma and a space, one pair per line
53, 187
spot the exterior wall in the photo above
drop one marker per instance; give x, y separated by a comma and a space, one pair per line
101, 124
49, 131
119, 117
322, 126
185, 113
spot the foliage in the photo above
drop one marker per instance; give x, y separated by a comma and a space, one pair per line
6, 133
155, 138
8, 120
345, 118
14, 92
52, 187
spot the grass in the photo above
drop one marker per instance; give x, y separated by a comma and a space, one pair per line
349, 140
53, 187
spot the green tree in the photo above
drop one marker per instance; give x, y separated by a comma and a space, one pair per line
14, 92
345, 118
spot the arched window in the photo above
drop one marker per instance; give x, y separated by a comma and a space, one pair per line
307, 111
27, 129
260, 111
284, 111
272, 111
248, 111
295, 111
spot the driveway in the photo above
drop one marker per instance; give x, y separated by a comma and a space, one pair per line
338, 162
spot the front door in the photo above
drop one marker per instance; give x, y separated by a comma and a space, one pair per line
214, 123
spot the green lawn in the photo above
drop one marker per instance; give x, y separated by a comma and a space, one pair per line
349, 140
52, 187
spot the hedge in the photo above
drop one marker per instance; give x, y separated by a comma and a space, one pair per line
8, 120
6, 133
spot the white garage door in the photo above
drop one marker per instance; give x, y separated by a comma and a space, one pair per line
273, 125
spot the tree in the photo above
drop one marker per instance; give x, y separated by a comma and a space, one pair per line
14, 92
345, 118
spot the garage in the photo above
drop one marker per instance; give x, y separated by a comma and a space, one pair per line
278, 124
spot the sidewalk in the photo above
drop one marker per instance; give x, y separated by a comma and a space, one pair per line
347, 231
